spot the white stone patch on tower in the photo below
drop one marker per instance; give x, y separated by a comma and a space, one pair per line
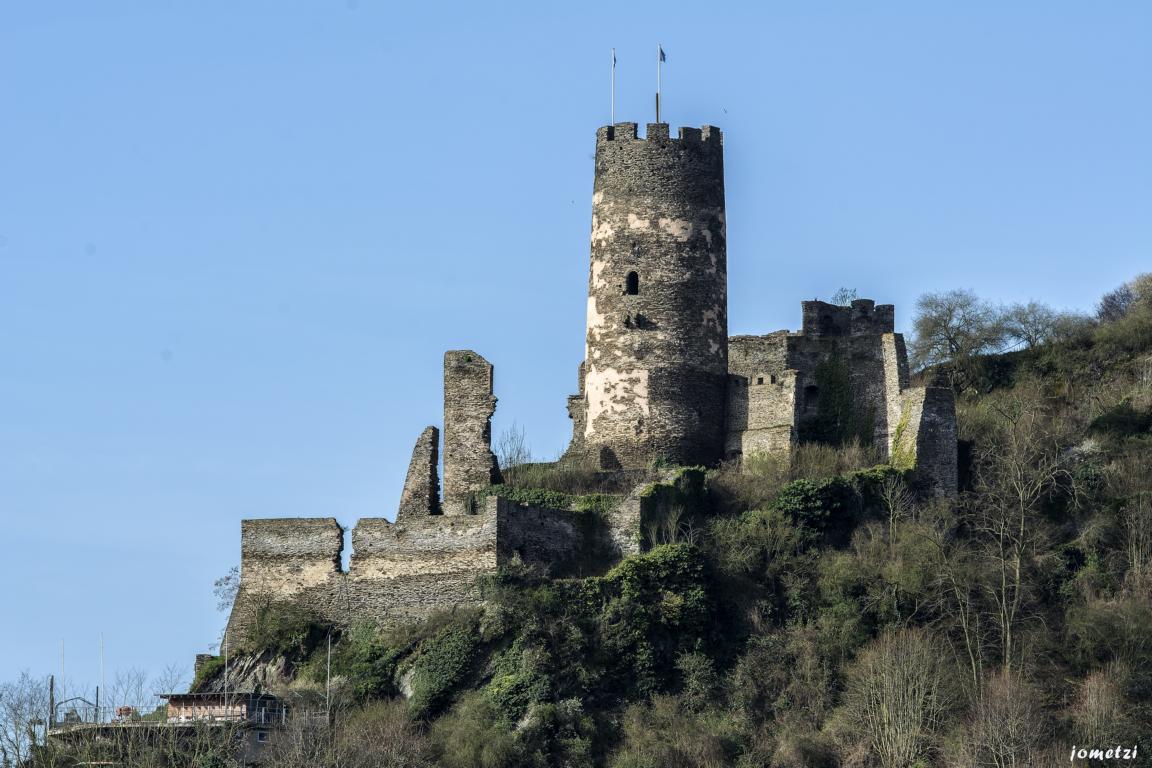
597, 273
611, 391
601, 231
681, 229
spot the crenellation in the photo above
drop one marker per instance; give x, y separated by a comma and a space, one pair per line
691, 135
659, 134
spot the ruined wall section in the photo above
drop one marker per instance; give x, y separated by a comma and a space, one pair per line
777, 382
578, 412
469, 464
848, 339
862, 318
421, 494
294, 560
896, 381
656, 355
761, 413
399, 572
402, 572
926, 439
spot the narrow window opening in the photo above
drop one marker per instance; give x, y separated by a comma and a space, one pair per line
811, 396
760, 380
632, 284
772, 379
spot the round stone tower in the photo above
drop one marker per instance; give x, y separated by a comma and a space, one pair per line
656, 357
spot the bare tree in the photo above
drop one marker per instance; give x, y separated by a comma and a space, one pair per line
1099, 711
900, 503
844, 297
959, 590
172, 679
1019, 465
225, 589
953, 326
130, 688
23, 715
1136, 520
1007, 726
381, 735
1117, 303
1032, 324
899, 696
512, 448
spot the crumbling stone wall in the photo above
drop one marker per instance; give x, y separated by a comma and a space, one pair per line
401, 572
926, 439
295, 560
656, 354
761, 414
421, 494
469, 464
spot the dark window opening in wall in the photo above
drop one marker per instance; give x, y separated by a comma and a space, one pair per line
760, 380
632, 284
811, 396
772, 379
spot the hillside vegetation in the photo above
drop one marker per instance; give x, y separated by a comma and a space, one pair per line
816, 614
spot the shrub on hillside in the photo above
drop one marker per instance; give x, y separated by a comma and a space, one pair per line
285, 628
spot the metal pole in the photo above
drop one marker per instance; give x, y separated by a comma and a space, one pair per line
101, 676
226, 670
613, 112
659, 58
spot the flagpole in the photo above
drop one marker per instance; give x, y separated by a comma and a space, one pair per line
659, 61
613, 111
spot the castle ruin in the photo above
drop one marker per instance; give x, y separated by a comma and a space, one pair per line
661, 383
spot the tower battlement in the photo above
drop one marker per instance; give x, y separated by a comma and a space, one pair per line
863, 318
658, 133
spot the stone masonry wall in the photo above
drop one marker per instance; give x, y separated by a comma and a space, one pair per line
288, 559
401, 572
469, 464
421, 494
896, 380
761, 415
926, 439
775, 383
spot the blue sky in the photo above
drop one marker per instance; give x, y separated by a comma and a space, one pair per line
236, 238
